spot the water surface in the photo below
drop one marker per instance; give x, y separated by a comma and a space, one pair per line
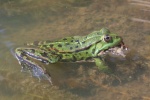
23, 21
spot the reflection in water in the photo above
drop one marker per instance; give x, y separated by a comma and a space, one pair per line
23, 21
144, 6
140, 20
140, 3
1, 78
2, 30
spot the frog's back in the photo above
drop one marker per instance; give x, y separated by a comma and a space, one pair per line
72, 44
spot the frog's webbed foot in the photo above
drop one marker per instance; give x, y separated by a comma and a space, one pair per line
102, 66
32, 67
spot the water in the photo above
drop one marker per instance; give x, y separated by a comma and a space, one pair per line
24, 21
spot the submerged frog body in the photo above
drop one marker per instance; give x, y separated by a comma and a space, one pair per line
70, 49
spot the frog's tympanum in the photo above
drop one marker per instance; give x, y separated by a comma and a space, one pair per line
70, 49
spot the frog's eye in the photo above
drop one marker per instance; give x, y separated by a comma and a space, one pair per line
107, 38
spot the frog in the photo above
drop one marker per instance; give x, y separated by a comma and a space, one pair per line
93, 46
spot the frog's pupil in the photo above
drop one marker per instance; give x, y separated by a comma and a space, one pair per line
107, 37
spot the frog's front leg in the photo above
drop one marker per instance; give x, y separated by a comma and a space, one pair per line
24, 56
100, 63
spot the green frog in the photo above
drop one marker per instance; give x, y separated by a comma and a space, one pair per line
70, 49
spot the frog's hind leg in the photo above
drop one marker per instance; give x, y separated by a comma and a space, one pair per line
27, 64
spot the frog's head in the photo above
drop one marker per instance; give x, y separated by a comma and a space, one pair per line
111, 43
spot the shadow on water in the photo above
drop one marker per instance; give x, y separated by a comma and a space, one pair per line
128, 69
83, 79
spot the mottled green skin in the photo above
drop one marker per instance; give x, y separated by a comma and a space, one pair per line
76, 48
69, 49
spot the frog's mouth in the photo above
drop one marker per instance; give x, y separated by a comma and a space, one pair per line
116, 50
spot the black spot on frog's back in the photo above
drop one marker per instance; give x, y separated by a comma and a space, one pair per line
64, 38
93, 51
88, 58
33, 50
83, 42
74, 58
44, 54
51, 45
71, 48
67, 43
76, 46
82, 58
71, 41
59, 45
77, 41
79, 54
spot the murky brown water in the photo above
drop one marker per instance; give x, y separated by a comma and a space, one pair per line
24, 21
